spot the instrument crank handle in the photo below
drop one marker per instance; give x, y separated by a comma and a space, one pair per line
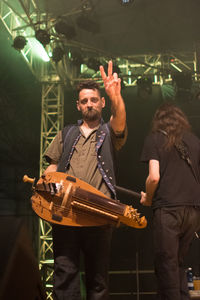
127, 191
28, 179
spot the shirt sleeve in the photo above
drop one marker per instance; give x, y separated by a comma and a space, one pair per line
54, 151
150, 149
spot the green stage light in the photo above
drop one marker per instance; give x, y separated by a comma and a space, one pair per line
19, 42
43, 37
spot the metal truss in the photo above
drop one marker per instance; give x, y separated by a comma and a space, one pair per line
159, 67
16, 20
52, 114
140, 66
51, 122
26, 20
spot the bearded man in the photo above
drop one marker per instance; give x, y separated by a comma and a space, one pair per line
87, 151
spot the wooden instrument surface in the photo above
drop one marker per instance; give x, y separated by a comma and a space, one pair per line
62, 199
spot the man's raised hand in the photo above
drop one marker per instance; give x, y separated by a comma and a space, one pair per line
112, 82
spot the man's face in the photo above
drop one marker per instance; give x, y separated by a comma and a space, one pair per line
90, 104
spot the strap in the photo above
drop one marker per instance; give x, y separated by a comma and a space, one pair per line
182, 149
66, 134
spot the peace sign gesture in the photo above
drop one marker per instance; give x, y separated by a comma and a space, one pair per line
112, 83
112, 86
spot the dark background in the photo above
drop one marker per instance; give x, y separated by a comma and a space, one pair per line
148, 26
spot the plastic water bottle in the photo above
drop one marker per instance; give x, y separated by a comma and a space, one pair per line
190, 279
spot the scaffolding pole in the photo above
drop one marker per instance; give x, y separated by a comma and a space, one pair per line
52, 118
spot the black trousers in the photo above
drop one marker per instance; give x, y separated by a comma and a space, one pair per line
173, 231
68, 243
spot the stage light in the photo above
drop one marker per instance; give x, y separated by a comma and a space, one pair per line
57, 54
63, 28
19, 42
86, 23
126, 2
43, 37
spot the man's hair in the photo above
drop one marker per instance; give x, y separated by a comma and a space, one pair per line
88, 84
171, 120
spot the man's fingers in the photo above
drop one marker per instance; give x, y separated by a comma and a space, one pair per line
110, 68
103, 74
111, 77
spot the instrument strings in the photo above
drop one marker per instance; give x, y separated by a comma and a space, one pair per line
80, 212
66, 210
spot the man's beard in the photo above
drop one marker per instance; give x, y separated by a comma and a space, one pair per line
91, 115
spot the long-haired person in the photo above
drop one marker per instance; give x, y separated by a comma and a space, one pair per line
173, 190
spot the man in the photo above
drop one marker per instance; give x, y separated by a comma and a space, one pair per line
173, 190
87, 151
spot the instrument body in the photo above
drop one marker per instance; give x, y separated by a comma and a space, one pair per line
66, 200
